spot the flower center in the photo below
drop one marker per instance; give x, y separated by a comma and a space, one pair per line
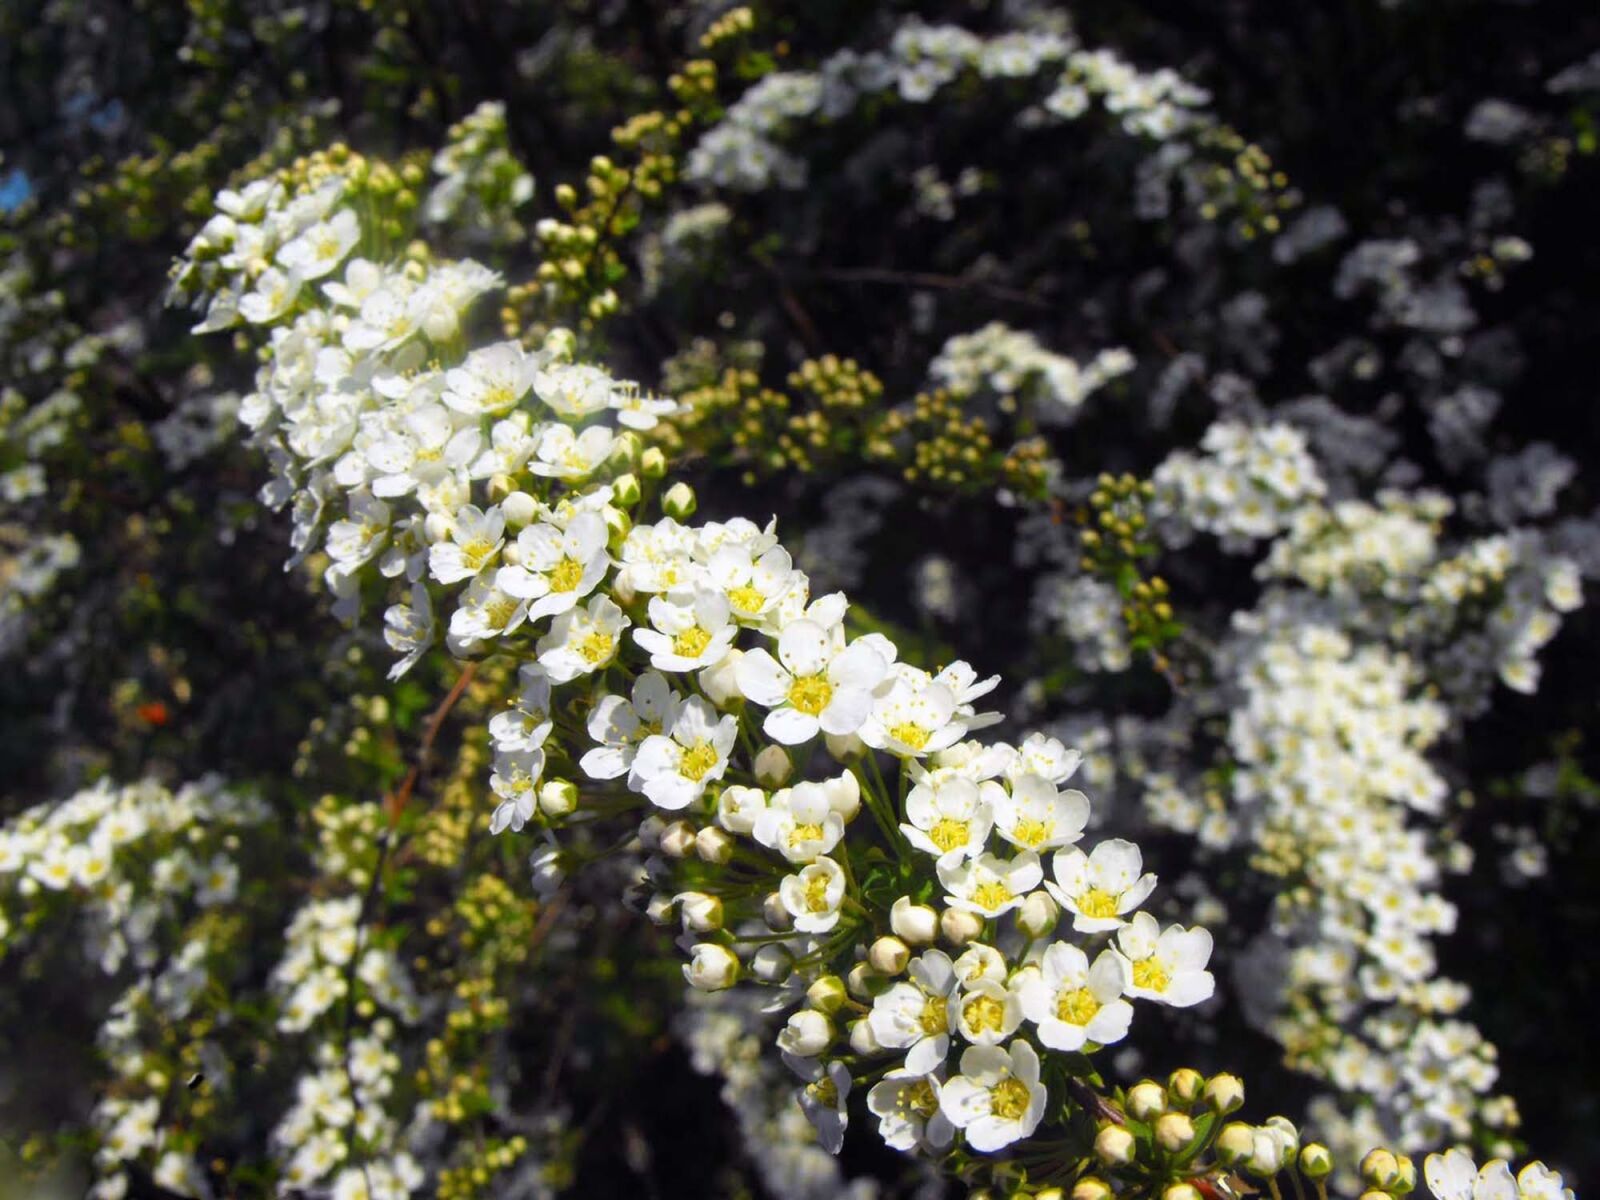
909, 733
992, 895
919, 1098
1097, 903
746, 599
476, 551
496, 397
1032, 834
984, 1013
1148, 973
810, 694
500, 611
817, 894
948, 834
802, 834
691, 643
566, 575
824, 1092
697, 760
934, 1018
1008, 1099
1076, 1007
596, 647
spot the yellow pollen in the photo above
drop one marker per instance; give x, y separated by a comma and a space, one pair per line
596, 647
810, 694
500, 611
1097, 903
992, 896
476, 550
824, 1092
801, 834
934, 1018
984, 1013
746, 599
919, 1098
817, 894
691, 643
909, 733
697, 760
428, 454
1148, 973
949, 833
1032, 834
1077, 1007
1008, 1099
497, 397
566, 575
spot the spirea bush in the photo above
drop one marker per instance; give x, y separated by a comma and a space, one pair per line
797, 600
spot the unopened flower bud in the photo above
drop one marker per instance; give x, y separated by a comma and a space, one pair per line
1380, 1169
650, 832
713, 845
889, 955
863, 1041
773, 767
1090, 1188
618, 524
1224, 1093
501, 485
914, 924
558, 797
1316, 1161
1038, 914
1181, 1191
720, 682
865, 983
1234, 1143
624, 451
677, 839
653, 463
807, 1034
1174, 1132
826, 994
772, 963
844, 746
712, 968
1147, 1100
519, 509
437, 526
1114, 1145
1374, 1194
1184, 1086
659, 909
625, 490
1049, 1193
960, 926
1408, 1176
701, 913
679, 503
775, 913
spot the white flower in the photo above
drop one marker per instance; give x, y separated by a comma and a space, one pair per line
620, 725
527, 724
1046, 757
639, 410
1099, 888
997, 1099
1454, 1176
274, 293
799, 823
563, 454
1167, 966
989, 885
1073, 1003
515, 780
356, 539
988, 1013
821, 685
915, 1016
1034, 816
806, 1034
557, 567
673, 768
755, 581
906, 1104
475, 540
657, 558
319, 250
691, 631
421, 450
915, 716
491, 380
486, 612
582, 640
950, 820
813, 896
574, 390
823, 1100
